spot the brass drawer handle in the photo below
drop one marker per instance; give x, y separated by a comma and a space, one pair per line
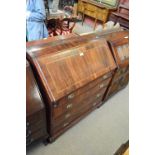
70, 96
98, 95
105, 76
101, 85
69, 106
65, 124
67, 116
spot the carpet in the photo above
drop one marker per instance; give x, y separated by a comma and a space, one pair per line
102, 132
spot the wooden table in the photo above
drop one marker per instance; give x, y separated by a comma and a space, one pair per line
98, 11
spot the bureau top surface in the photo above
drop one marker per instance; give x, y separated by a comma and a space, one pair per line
33, 99
66, 66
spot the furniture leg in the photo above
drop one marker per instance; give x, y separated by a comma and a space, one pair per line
83, 16
95, 23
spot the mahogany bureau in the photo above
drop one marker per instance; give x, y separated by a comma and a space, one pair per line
35, 110
120, 50
74, 75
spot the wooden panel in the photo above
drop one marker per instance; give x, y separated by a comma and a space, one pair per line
63, 73
35, 110
120, 49
33, 99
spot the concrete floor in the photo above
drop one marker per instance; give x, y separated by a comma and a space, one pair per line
100, 133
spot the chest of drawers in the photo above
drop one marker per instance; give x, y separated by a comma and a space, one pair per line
73, 75
95, 9
35, 110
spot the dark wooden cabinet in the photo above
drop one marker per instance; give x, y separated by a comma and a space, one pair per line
74, 75
35, 110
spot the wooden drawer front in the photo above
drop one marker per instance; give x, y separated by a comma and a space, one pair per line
61, 124
36, 126
121, 72
73, 95
69, 104
35, 136
125, 80
115, 87
36, 118
90, 7
90, 13
71, 115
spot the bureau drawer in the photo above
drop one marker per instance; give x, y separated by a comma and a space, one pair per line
73, 95
69, 104
125, 79
89, 102
36, 118
35, 136
115, 87
36, 126
62, 123
90, 7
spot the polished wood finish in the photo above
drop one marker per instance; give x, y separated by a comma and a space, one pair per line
35, 110
92, 8
74, 76
120, 50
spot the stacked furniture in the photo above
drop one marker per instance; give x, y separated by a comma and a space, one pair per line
35, 110
78, 74
96, 9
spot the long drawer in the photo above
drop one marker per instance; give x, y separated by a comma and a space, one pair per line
68, 104
36, 121
70, 117
31, 137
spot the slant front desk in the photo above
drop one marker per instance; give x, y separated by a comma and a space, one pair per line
74, 76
